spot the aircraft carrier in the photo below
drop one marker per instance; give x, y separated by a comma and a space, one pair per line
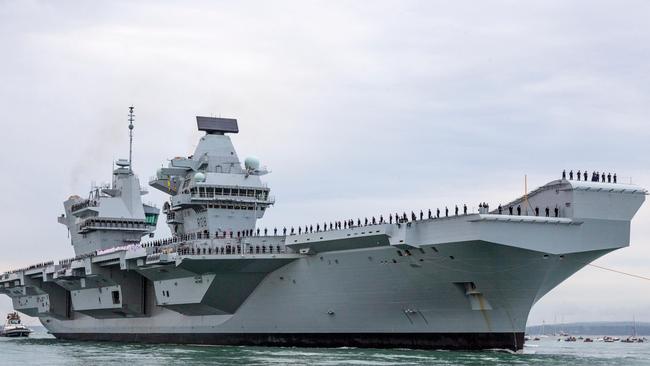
433, 281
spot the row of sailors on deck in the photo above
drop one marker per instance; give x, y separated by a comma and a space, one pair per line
556, 211
206, 235
337, 225
33, 266
595, 176
332, 225
397, 218
231, 249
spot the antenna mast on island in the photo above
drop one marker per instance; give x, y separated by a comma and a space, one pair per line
131, 115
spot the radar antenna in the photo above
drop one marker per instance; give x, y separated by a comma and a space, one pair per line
131, 115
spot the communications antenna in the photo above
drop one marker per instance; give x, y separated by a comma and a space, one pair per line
131, 115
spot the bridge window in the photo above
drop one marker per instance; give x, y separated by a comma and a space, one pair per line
151, 219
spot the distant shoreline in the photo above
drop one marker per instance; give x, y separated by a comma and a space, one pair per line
593, 328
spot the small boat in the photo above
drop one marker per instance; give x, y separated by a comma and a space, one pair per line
632, 340
570, 339
14, 328
588, 340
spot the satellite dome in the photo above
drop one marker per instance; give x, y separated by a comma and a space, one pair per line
252, 163
199, 177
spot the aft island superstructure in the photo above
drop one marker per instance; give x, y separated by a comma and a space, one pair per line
465, 281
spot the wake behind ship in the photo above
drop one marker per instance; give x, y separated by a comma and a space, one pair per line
444, 281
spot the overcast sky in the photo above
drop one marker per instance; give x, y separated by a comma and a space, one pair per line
358, 108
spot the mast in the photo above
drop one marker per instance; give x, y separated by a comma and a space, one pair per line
526, 192
131, 115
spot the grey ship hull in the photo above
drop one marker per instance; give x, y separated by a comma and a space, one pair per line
369, 297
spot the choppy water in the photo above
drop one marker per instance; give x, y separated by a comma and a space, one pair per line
42, 349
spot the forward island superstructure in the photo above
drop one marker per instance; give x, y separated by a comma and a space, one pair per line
465, 281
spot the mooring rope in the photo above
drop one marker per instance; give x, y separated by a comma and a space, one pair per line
620, 272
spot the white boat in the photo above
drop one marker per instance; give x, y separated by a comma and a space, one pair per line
14, 328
